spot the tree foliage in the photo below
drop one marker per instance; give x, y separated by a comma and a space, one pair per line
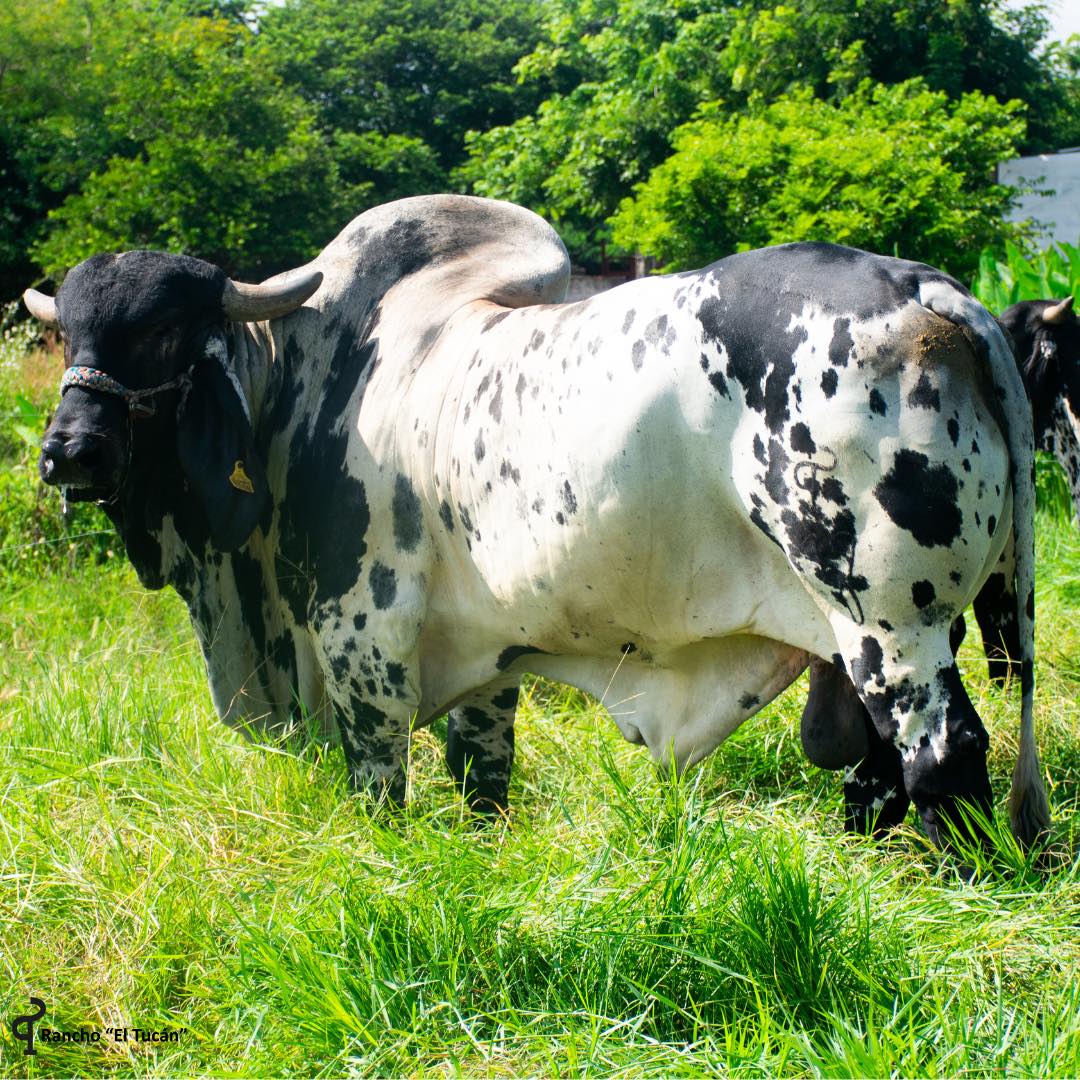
395, 84
900, 169
207, 153
197, 127
247, 132
629, 73
625, 73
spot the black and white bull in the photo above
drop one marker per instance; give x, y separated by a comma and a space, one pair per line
390, 483
1046, 342
1046, 335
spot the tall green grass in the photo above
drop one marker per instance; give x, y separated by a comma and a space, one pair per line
157, 870
35, 537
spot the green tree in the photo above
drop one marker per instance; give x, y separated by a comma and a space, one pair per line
395, 84
898, 169
208, 154
627, 73
129, 125
624, 73
957, 46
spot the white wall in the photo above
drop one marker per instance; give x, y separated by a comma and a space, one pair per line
1059, 214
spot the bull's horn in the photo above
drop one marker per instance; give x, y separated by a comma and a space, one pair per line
1059, 313
42, 307
270, 300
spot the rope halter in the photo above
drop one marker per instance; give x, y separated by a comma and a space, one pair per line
138, 401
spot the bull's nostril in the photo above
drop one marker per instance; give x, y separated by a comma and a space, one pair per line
52, 448
71, 458
84, 452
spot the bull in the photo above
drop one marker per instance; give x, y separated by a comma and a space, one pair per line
1045, 335
391, 482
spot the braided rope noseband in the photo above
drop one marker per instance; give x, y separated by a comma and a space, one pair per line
92, 379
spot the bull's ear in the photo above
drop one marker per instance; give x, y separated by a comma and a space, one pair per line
218, 456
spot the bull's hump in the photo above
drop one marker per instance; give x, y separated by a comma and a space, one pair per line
450, 249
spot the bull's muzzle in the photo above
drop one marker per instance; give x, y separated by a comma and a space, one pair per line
74, 460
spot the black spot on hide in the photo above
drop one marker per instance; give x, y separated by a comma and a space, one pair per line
719, 384
924, 395
515, 652
774, 477
921, 498
408, 520
318, 483
506, 699
383, 583
923, 594
447, 515
842, 343
801, 440
762, 363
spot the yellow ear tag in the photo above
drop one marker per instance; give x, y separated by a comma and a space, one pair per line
240, 480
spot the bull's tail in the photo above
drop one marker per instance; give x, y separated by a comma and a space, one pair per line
1029, 809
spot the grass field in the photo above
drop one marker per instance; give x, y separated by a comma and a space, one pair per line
158, 872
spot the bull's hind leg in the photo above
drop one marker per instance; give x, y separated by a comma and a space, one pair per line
837, 732
995, 611
875, 798
911, 688
480, 745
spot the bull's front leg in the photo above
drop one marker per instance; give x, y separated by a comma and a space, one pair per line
480, 745
370, 662
375, 738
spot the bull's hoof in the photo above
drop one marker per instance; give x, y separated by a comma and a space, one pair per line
953, 824
486, 813
873, 809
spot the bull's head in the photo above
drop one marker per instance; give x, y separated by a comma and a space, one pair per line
1046, 335
149, 386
